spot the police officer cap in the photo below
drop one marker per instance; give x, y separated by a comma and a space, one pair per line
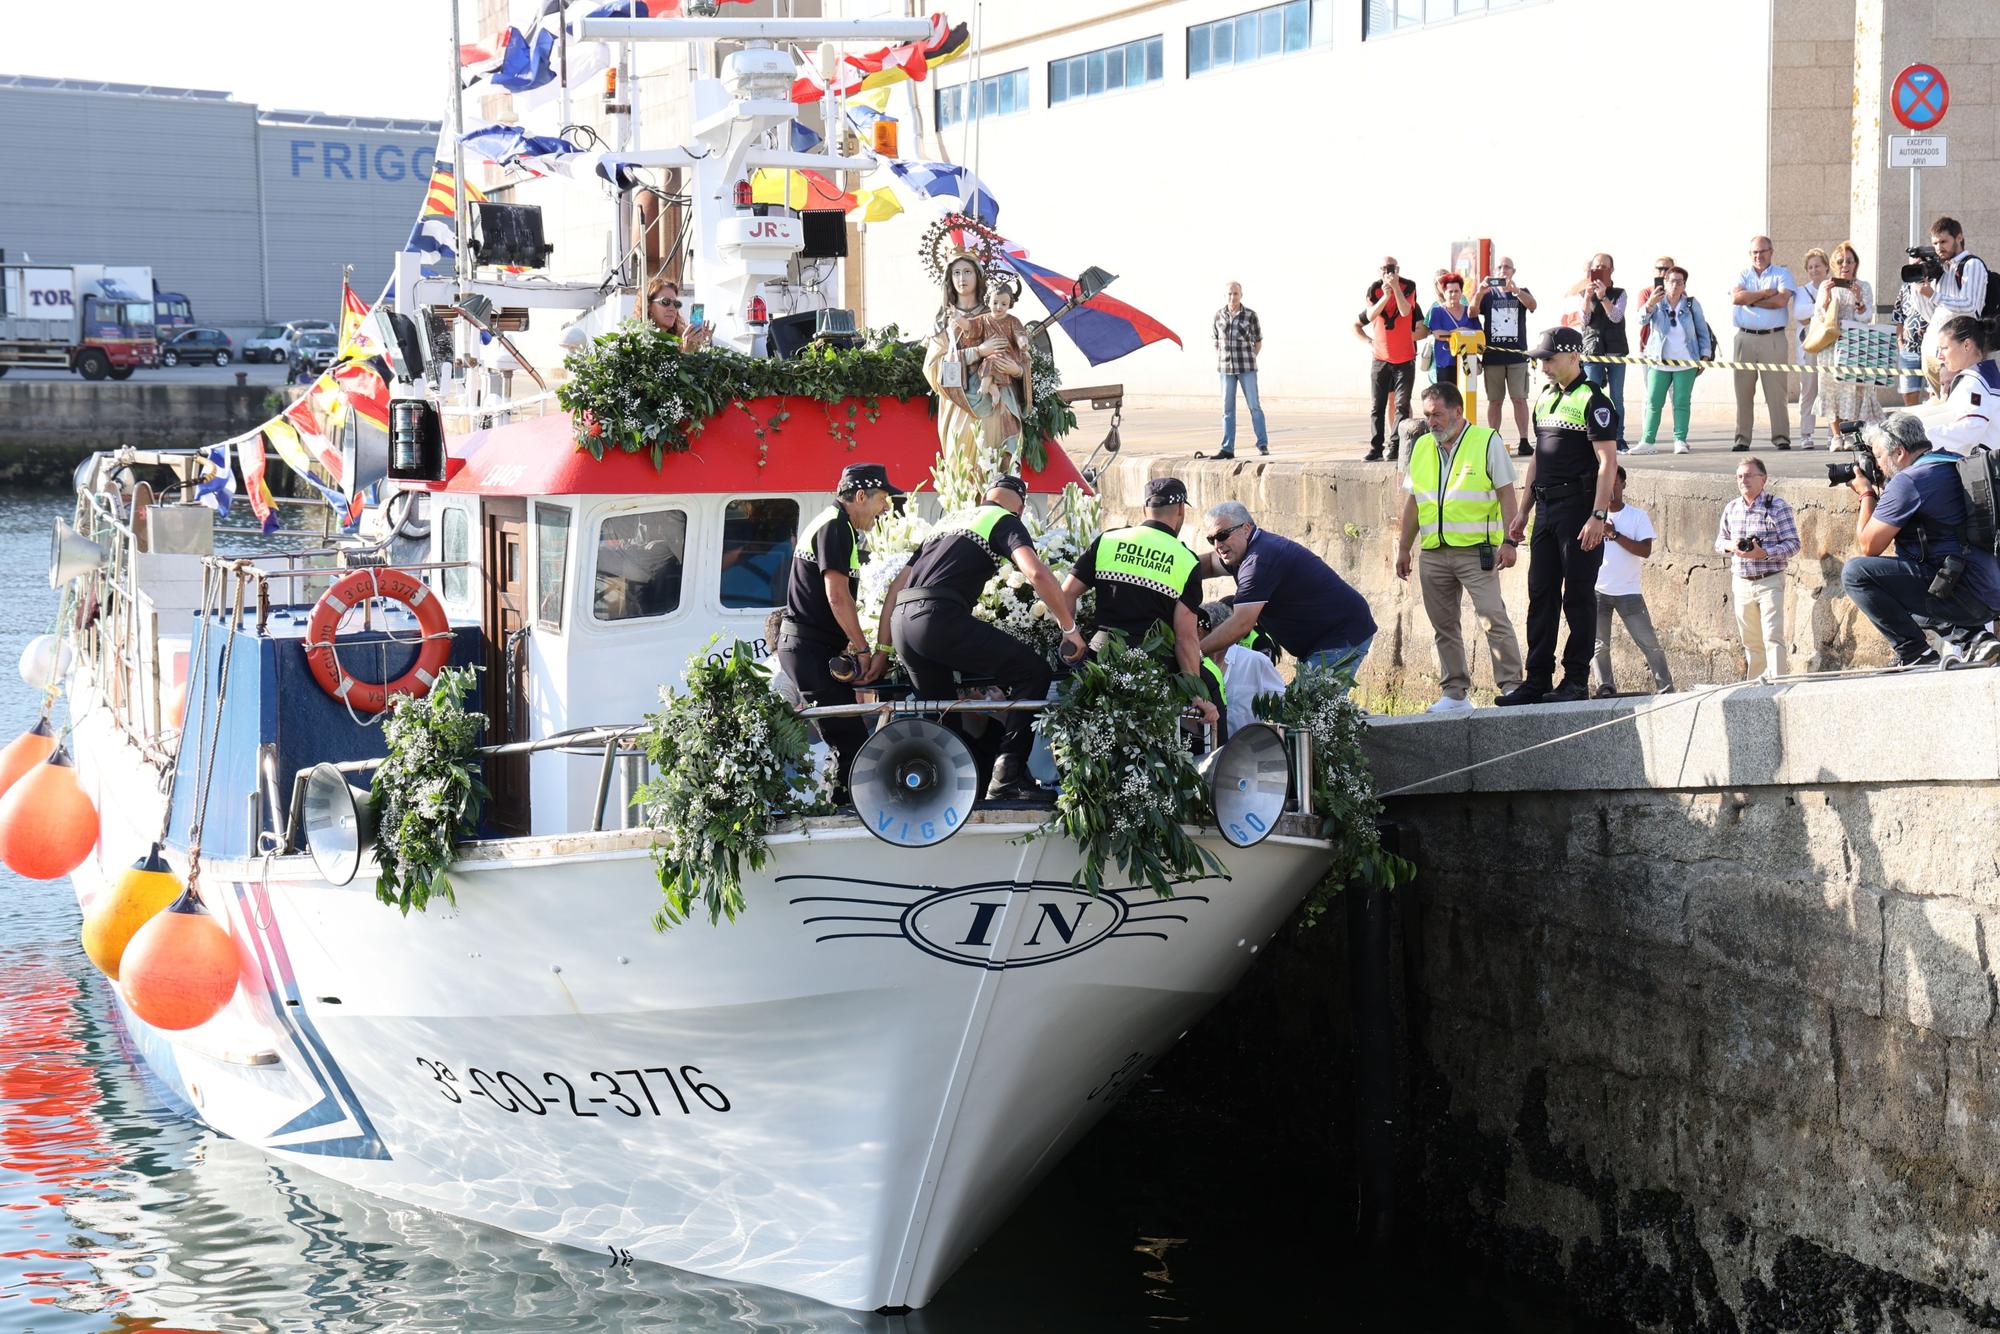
866, 477
1904, 429
1164, 491
1014, 484
1555, 342
1212, 614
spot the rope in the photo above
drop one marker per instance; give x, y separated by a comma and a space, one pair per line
207, 758
1681, 697
1842, 368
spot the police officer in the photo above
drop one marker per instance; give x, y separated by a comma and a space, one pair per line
1570, 477
1145, 575
821, 621
929, 610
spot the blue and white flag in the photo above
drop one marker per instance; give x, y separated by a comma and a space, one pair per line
219, 487
947, 188
511, 146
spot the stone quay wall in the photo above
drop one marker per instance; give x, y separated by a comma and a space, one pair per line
1699, 1009
1349, 512
47, 426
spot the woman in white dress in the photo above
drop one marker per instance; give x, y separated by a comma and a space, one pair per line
1804, 299
1852, 300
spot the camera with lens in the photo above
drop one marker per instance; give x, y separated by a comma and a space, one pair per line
1864, 465
1745, 543
1928, 268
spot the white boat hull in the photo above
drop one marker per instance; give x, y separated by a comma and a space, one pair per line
840, 1094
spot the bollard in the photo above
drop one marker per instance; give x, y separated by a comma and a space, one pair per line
242, 379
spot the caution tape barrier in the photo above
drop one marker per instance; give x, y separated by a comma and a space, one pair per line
1842, 371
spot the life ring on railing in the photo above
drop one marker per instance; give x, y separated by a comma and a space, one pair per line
324, 627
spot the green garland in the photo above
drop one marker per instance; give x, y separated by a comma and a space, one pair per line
426, 793
637, 390
730, 756
1343, 787
1049, 417
1127, 780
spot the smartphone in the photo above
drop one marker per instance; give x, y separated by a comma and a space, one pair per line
695, 313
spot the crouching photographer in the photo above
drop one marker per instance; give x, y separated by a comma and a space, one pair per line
1911, 497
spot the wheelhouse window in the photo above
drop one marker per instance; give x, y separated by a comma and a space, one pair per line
640, 557
757, 541
551, 563
455, 544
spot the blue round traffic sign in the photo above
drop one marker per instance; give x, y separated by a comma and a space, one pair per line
1920, 97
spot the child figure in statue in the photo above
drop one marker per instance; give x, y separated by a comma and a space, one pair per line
1002, 373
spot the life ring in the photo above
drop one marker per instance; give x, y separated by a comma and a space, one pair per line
324, 626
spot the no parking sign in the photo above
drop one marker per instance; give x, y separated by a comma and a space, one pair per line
1920, 97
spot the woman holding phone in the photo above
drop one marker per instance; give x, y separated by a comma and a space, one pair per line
1852, 300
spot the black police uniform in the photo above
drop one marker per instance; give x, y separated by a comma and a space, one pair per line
1562, 576
810, 636
937, 635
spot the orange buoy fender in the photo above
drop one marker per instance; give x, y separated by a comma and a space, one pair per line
140, 892
24, 752
180, 969
324, 627
47, 824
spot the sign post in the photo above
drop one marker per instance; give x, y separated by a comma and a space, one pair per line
1919, 97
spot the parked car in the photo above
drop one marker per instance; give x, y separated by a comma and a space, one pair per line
197, 345
272, 343
312, 352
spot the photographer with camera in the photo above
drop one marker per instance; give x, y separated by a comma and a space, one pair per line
1934, 581
1391, 327
1972, 393
1957, 278
1504, 306
820, 642
1760, 536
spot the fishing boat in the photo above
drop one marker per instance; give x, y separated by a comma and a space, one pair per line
840, 1093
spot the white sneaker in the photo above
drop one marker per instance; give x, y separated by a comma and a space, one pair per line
1680, 446
1449, 704
1643, 448
1807, 443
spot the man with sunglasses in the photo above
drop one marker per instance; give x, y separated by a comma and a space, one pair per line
1285, 590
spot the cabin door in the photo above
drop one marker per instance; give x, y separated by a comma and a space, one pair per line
504, 617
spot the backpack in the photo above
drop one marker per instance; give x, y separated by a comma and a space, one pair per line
1989, 309
1979, 474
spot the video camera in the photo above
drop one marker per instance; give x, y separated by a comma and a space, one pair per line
1928, 267
1840, 474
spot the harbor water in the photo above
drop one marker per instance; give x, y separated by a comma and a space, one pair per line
116, 1214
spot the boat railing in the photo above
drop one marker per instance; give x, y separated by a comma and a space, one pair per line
624, 759
257, 579
107, 636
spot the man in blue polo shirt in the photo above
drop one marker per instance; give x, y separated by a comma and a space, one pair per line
1287, 592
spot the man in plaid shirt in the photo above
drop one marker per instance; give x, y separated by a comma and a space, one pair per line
1238, 340
1760, 537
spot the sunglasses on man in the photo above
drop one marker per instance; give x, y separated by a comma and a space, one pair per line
1217, 539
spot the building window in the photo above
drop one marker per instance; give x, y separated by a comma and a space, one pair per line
551, 563
1379, 18
1098, 72
757, 541
1001, 95
639, 561
455, 544
1275, 30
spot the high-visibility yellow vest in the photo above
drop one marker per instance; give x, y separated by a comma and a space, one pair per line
1146, 558
804, 551
1463, 509
1214, 674
976, 523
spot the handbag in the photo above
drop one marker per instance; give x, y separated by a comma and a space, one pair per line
1824, 330
1426, 355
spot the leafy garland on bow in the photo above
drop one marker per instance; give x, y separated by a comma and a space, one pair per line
1128, 783
731, 757
1343, 787
427, 791
637, 390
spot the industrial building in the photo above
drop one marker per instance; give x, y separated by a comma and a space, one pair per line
250, 213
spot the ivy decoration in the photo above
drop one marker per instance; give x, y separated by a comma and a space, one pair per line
636, 390
1128, 782
427, 792
1316, 701
730, 757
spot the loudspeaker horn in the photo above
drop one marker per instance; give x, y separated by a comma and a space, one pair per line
339, 826
1247, 782
914, 783
72, 555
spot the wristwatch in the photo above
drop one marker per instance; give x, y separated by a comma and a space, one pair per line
1602, 516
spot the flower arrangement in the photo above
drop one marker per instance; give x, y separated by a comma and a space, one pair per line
1127, 780
427, 791
1049, 417
636, 389
1343, 788
730, 756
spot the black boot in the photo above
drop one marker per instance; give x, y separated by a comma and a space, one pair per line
1011, 781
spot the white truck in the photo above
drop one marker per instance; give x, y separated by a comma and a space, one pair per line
94, 319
